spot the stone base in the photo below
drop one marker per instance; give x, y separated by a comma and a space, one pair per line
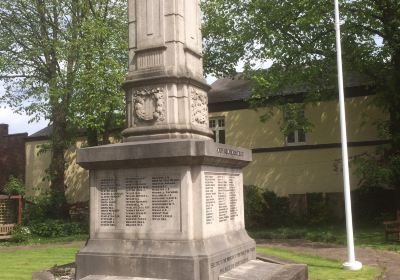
259, 270
252, 270
183, 260
104, 277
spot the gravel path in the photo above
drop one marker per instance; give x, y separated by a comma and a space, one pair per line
388, 262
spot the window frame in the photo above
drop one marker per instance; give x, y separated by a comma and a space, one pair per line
296, 139
217, 128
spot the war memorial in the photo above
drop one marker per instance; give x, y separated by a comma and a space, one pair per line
167, 203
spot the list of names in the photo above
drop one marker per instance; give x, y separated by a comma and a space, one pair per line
221, 198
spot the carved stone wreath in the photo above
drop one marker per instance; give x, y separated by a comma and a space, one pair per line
148, 104
199, 107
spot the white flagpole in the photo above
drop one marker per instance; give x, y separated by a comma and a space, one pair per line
351, 264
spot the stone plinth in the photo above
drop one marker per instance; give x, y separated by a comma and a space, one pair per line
165, 209
252, 270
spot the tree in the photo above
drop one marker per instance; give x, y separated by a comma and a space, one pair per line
298, 36
52, 65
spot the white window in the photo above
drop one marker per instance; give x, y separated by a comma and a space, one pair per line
296, 136
217, 125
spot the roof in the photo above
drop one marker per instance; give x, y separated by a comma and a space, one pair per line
229, 90
45, 132
238, 89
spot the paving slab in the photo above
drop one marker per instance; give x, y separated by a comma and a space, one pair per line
259, 270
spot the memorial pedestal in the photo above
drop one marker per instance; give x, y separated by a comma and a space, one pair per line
168, 209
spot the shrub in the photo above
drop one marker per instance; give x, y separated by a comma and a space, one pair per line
56, 228
14, 186
253, 206
326, 237
20, 234
318, 210
276, 210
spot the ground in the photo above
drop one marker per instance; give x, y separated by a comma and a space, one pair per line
388, 262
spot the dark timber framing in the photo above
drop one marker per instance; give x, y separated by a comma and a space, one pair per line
318, 146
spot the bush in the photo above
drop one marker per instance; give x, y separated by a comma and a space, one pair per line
20, 234
326, 237
56, 228
276, 210
41, 208
253, 206
318, 210
14, 186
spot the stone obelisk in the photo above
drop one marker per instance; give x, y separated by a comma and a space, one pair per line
168, 202
166, 90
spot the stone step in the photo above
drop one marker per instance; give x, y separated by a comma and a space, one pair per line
259, 270
104, 277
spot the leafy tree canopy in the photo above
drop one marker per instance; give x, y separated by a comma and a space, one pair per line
64, 60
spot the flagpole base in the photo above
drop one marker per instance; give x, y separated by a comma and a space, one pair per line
352, 265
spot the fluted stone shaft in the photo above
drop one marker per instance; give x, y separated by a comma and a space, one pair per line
165, 89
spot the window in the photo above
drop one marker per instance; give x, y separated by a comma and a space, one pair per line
296, 137
294, 120
217, 125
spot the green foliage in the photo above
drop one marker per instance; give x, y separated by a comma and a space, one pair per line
14, 186
253, 205
294, 118
38, 209
322, 236
318, 210
56, 228
43, 207
20, 234
263, 207
276, 210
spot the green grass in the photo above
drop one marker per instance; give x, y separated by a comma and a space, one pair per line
46, 240
322, 268
364, 236
20, 264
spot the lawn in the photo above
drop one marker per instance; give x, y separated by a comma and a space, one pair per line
19, 264
364, 236
322, 268
35, 240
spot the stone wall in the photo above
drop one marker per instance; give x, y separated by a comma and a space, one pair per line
12, 155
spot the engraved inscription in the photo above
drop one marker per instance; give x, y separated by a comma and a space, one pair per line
108, 200
231, 152
136, 202
221, 196
222, 199
164, 197
211, 199
233, 199
147, 200
230, 262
